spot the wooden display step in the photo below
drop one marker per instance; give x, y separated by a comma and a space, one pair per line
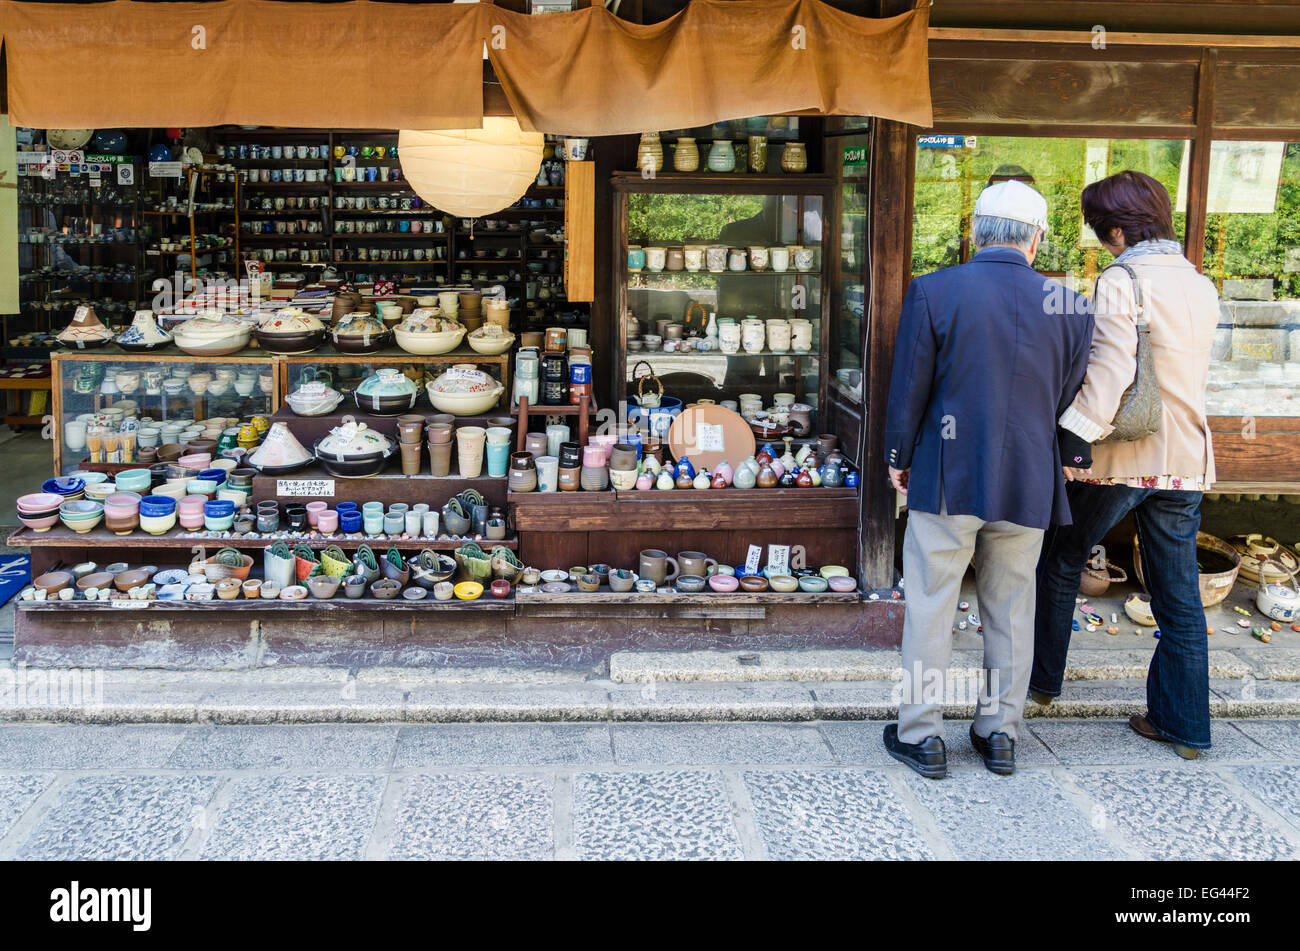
709, 598
244, 606
61, 537
387, 487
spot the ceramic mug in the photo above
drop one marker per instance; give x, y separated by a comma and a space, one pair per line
695, 563
654, 566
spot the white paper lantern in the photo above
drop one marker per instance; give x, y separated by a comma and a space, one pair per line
471, 172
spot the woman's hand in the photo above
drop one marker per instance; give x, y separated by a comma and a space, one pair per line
1071, 473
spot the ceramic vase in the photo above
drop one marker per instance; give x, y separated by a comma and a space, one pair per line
686, 156
722, 157
650, 153
794, 157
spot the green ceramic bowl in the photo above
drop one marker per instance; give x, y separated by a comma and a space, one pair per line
812, 584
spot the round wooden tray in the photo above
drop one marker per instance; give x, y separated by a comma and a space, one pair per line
699, 432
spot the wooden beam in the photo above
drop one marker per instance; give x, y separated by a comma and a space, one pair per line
1113, 38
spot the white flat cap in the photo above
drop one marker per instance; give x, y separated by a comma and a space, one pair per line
1014, 200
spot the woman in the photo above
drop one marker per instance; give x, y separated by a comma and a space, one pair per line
1159, 478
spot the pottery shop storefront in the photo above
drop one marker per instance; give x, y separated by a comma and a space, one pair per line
370, 456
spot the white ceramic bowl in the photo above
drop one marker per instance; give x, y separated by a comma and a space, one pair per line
491, 345
429, 344
464, 404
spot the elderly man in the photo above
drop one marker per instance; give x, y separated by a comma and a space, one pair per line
989, 355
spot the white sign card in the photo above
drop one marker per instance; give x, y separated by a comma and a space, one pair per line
709, 438
753, 559
305, 488
778, 559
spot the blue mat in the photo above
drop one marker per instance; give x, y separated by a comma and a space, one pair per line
15, 573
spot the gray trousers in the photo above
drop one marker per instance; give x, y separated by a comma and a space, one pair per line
936, 551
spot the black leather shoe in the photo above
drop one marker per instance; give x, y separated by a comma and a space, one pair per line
929, 757
998, 751
1141, 727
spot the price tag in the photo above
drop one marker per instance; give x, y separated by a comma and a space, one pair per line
753, 559
466, 375
164, 169
709, 438
308, 488
778, 559
123, 605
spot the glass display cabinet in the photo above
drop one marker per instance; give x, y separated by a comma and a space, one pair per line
720, 281
109, 389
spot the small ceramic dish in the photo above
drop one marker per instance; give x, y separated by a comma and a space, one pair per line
554, 575
227, 590
295, 592
783, 583
556, 587
621, 580
444, 591
830, 571
842, 583
468, 590
754, 584
646, 585
588, 583
723, 584
812, 584
385, 589
415, 593
270, 591
170, 576
354, 586
690, 584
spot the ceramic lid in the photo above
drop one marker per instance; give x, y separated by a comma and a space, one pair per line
387, 381
354, 439
144, 329
290, 320
279, 448
217, 327
85, 326
314, 392
360, 324
464, 378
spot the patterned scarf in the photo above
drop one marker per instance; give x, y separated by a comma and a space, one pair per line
1152, 246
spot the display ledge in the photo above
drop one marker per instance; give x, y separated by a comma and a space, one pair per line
168, 354
694, 509
245, 606
61, 537
524, 596
461, 354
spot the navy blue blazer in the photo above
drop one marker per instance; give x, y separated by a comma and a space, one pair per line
989, 355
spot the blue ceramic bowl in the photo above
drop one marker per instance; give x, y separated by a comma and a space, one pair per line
157, 505
219, 508
349, 522
813, 584
215, 475
346, 507
63, 485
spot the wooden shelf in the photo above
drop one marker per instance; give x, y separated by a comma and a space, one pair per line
710, 598
61, 537
245, 606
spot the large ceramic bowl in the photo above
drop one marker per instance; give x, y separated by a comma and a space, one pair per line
354, 451
81, 515
290, 330
427, 334
464, 391
486, 342
212, 336
360, 333
387, 392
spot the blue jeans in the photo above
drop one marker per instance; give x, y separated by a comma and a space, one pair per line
1178, 681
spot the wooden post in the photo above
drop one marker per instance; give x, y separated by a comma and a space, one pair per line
1199, 166
521, 428
890, 201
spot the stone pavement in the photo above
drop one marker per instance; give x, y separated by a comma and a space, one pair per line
612, 790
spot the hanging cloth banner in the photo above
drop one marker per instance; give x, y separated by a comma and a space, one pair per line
355, 64
590, 73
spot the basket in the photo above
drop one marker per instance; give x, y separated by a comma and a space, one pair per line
1094, 582
643, 398
693, 328
227, 563
1215, 586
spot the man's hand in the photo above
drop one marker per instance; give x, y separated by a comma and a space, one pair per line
898, 478
1071, 473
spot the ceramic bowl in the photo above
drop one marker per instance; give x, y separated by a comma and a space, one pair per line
295, 592
90, 478
289, 342
464, 404
783, 583
323, 586
646, 585
64, 486
556, 587
39, 503
81, 515
723, 584
621, 580
813, 584
96, 579
100, 491
133, 480
42, 523
587, 583
830, 571
468, 590
228, 590
415, 594
385, 589
754, 584
354, 586
501, 588
156, 505
490, 344
269, 591
52, 582
126, 580
444, 591
842, 583
428, 343
158, 524
690, 584
554, 575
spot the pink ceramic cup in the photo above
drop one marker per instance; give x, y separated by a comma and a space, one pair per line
314, 510
327, 521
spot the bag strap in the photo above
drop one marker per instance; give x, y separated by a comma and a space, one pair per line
1137, 293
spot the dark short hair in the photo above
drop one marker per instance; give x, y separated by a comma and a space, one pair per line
1134, 202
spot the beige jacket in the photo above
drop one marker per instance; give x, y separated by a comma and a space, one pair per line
1182, 309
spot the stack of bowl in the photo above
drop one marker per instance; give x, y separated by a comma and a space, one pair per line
157, 514
81, 515
122, 512
70, 488
39, 510
133, 480
189, 512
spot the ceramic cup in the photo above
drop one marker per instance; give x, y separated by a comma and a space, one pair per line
654, 566
469, 450
695, 563
548, 474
